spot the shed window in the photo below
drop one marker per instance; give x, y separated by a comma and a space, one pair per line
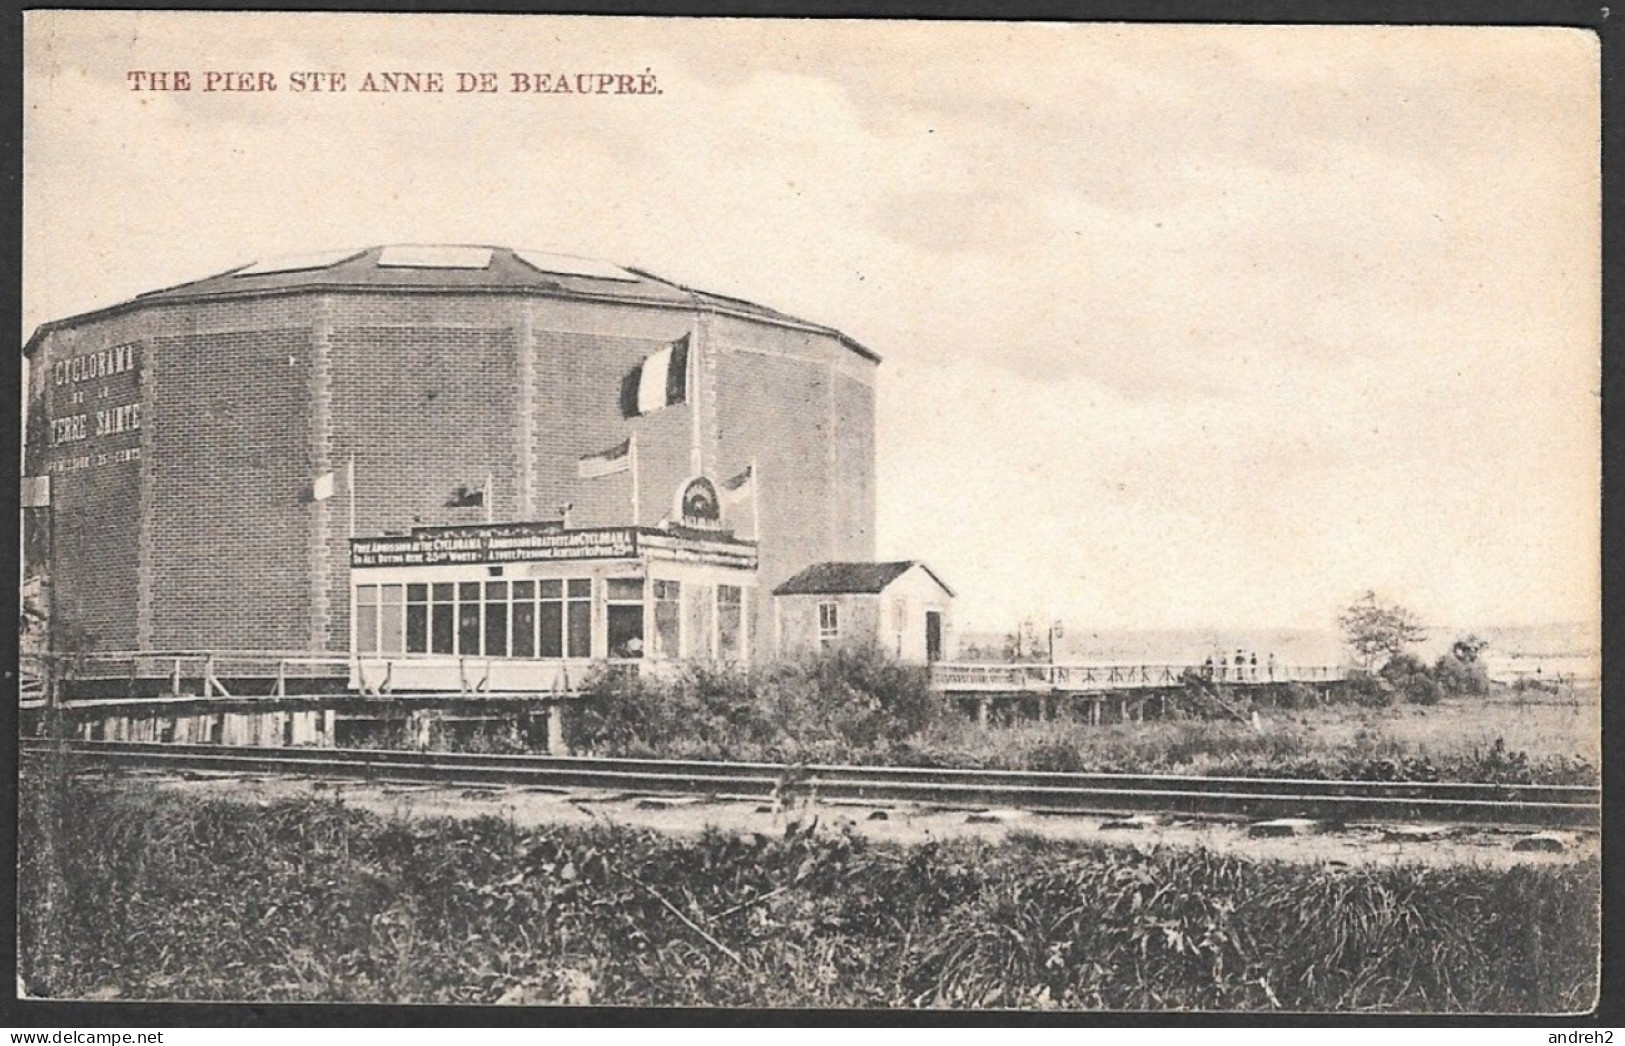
829, 624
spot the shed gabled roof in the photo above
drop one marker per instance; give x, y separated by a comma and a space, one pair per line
836, 579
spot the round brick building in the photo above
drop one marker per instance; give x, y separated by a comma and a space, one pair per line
212, 448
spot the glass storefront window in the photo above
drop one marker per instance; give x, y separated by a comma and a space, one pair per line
366, 619
552, 618
468, 618
579, 617
496, 619
442, 619
417, 619
730, 622
524, 619
625, 617
391, 619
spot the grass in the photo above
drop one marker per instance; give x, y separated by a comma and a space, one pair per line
1479, 738
863, 709
129, 893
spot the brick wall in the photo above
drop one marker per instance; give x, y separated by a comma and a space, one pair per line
230, 473
809, 424
213, 541
423, 409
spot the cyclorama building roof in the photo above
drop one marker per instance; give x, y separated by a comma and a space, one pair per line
451, 269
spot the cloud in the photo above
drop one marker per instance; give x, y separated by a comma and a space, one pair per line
1181, 323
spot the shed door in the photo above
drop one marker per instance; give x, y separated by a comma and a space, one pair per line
933, 635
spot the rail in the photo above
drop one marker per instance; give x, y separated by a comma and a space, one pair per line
1072, 793
1043, 677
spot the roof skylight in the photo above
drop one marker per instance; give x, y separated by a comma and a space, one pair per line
434, 256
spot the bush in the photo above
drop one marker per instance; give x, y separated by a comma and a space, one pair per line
1368, 689
1456, 676
1411, 679
843, 706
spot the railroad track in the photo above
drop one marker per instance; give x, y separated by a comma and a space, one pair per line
1541, 805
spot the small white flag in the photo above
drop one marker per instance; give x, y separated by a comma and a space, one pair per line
606, 463
36, 491
740, 487
322, 488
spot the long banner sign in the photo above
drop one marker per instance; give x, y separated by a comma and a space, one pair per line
509, 544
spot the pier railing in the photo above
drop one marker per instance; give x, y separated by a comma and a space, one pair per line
1010, 677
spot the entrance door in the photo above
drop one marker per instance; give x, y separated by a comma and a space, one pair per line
933, 635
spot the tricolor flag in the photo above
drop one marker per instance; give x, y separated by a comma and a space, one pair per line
661, 380
740, 487
36, 492
607, 462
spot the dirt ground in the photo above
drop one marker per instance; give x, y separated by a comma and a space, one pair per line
1367, 845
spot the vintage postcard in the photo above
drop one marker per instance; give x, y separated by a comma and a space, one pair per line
883, 515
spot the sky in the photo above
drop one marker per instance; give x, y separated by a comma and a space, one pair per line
1183, 326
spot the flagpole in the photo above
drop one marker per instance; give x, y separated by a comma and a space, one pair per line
637, 514
349, 484
755, 502
696, 460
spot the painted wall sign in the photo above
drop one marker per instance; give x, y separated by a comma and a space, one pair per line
94, 407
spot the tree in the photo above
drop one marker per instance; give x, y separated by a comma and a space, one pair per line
1376, 632
1467, 648
1462, 671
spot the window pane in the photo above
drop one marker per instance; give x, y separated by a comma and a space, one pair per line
366, 628
442, 592
445, 628
417, 593
496, 629
468, 628
730, 633
700, 610
668, 622
366, 593
552, 589
393, 593
496, 590
550, 620
580, 628
524, 590
389, 626
625, 629
417, 628
524, 628
581, 587
469, 592
625, 588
